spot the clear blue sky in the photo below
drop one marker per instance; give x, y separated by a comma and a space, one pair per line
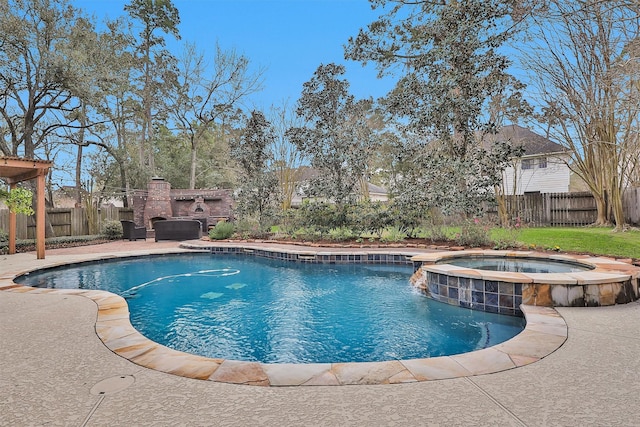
290, 38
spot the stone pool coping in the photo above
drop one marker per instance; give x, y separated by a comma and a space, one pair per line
545, 332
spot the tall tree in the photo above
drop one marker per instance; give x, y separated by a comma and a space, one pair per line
214, 170
258, 189
450, 64
585, 60
109, 66
108, 104
155, 16
336, 137
40, 74
287, 158
207, 93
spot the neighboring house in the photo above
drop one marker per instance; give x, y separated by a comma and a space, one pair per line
542, 168
375, 192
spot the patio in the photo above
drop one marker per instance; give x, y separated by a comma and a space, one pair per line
51, 358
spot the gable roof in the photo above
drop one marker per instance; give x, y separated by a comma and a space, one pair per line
307, 173
376, 189
532, 143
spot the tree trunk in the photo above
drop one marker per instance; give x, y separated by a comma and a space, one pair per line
601, 206
80, 142
616, 204
501, 203
78, 189
194, 158
124, 184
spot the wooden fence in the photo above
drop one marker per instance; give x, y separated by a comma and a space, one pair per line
553, 209
631, 204
566, 209
66, 221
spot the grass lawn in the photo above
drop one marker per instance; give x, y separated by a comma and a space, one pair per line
593, 240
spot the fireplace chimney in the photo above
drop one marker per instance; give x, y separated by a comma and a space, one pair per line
158, 204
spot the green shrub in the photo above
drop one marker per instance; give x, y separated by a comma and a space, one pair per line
252, 229
474, 234
394, 234
437, 232
112, 230
222, 230
322, 216
506, 238
340, 234
307, 233
290, 221
26, 245
368, 217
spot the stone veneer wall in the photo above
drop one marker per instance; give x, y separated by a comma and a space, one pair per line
602, 294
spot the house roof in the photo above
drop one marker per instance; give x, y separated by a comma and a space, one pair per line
532, 143
376, 189
308, 173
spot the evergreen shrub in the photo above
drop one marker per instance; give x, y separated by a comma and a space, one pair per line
222, 230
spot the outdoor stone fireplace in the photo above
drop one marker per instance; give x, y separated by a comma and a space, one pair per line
161, 202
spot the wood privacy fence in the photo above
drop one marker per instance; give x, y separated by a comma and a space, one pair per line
566, 209
66, 221
553, 209
632, 206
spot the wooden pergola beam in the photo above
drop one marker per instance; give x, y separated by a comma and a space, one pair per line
15, 170
23, 177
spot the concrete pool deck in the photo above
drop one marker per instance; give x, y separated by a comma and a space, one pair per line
53, 367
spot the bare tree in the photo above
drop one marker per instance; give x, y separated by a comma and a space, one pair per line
39, 73
584, 60
206, 93
287, 158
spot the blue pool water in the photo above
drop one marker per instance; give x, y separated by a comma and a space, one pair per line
255, 309
518, 265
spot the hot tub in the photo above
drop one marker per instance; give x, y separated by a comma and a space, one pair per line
499, 281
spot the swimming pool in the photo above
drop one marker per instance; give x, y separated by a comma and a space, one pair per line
269, 311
